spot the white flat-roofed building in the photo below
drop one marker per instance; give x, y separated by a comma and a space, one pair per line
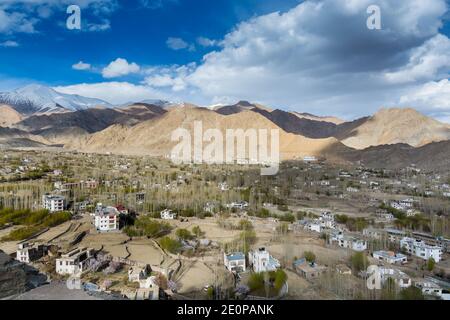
420, 249
429, 288
234, 262
53, 203
106, 219
390, 257
262, 261
74, 262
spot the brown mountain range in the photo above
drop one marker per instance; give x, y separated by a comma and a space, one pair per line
391, 137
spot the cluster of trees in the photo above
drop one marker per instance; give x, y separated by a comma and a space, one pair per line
271, 282
32, 222
353, 224
416, 222
146, 226
171, 245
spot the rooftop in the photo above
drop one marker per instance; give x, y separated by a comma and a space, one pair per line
235, 256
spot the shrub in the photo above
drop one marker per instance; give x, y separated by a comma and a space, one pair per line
184, 234
359, 261
309, 256
256, 281
169, 244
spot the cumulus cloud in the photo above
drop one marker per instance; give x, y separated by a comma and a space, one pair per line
434, 96
15, 22
119, 67
427, 62
113, 92
321, 57
173, 77
81, 66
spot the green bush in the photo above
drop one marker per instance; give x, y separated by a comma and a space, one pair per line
309, 256
169, 244
148, 227
256, 281
184, 234
359, 261
411, 293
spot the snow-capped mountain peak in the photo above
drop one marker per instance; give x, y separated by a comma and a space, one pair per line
37, 98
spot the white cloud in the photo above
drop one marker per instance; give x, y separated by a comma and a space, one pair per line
432, 97
427, 62
98, 27
177, 43
113, 92
206, 42
81, 66
173, 77
22, 16
320, 56
15, 22
9, 44
119, 67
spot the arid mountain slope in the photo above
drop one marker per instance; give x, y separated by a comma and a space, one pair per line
399, 156
310, 116
153, 137
90, 120
14, 138
9, 116
392, 126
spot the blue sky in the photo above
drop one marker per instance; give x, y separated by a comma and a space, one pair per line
137, 32
314, 56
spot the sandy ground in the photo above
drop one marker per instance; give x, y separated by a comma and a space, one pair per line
144, 251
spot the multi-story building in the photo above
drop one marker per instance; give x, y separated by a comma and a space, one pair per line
420, 249
262, 261
347, 241
74, 262
53, 203
106, 219
26, 253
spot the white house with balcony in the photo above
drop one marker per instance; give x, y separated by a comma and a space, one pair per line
53, 203
347, 241
420, 249
106, 219
262, 261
